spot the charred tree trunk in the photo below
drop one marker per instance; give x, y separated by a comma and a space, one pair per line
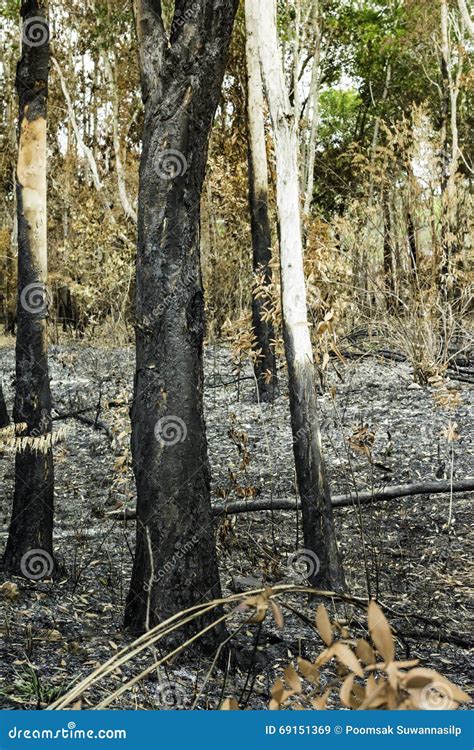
31, 529
4, 418
175, 563
265, 367
321, 553
412, 245
388, 255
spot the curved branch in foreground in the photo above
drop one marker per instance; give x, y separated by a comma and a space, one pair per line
338, 501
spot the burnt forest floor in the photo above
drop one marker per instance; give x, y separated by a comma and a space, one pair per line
55, 632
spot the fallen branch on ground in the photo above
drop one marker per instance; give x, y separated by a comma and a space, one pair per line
338, 501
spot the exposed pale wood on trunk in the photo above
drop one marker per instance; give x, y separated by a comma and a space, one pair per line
31, 526
314, 101
318, 522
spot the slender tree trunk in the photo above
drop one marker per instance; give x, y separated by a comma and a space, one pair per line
412, 244
388, 254
318, 522
4, 418
265, 366
128, 209
314, 99
175, 563
451, 81
363, 275
31, 528
466, 17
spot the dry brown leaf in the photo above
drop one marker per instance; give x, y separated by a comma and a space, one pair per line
9, 591
323, 624
348, 658
292, 678
229, 704
308, 670
346, 689
277, 614
380, 632
320, 702
365, 651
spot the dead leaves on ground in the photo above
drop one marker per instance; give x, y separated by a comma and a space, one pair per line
367, 675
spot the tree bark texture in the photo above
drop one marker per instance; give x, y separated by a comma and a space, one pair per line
31, 527
4, 418
318, 521
175, 563
265, 367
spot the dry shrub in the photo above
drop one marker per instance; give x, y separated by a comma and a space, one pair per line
358, 673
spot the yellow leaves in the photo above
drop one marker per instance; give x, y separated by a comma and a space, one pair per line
320, 702
230, 704
11, 439
450, 432
362, 440
324, 625
262, 603
280, 693
347, 657
346, 690
277, 614
292, 679
325, 324
309, 670
380, 632
9, 591
420, 678
365, 652
376, 686
445, 397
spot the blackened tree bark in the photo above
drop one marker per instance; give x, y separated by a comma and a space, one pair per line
412, 245
31, 527
321, 553
4, 418
388, 254
175, 563
265, 367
